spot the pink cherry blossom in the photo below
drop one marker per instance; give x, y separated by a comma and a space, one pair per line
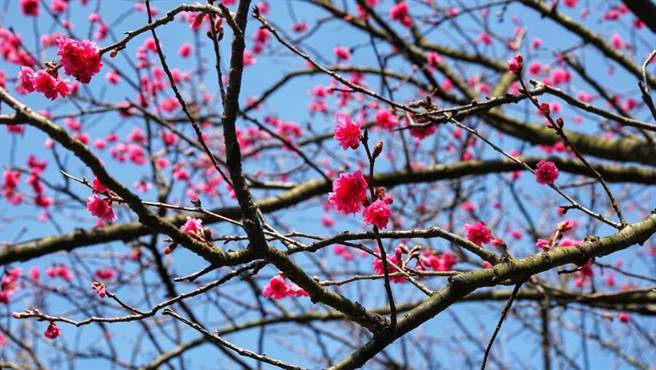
349, 192
81, 59
193, 226
546, 172
347, 132
377, 213
478, 233
101, 208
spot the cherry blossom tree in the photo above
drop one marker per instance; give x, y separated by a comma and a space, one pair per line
406, 184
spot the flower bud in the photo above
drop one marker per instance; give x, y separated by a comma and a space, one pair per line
516, 64
378, 149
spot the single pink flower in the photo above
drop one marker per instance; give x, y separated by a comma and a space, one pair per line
434, 59
347, 132
112, 77
342, 53
81, 59
300, 27
35, 274
185, 50
97, 186
58, 6
53, 331
543, 244
276, 288
100, 207
30, 7
349, 191
485, 38
249, 58
535, 68
447, 261
296, 291
327, 221
568, 242
624, 318
386, 119
193, 226
515, 64
423, 131
567, 225
377, 213
546, 172
478, 233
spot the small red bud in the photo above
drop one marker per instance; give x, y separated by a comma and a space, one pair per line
544, 108
207, 234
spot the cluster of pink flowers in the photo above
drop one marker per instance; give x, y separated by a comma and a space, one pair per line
347, 132
350, 193
478, 233
546, 172
400, 12
52, 331
80, 59
444, 262
46, 82
132, 152
278, 288
343, 251
103, 28
260, 40
396, 259
10, 183
60, 271
584, 275
98, 206
9, 284
34, 180
12, 50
